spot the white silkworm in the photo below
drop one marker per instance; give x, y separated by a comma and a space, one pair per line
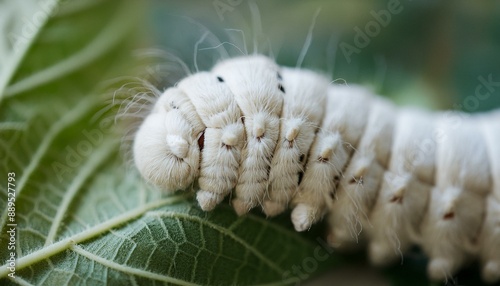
391, 177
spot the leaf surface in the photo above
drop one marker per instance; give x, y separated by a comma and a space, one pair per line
82, 215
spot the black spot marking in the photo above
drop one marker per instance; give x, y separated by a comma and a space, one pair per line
448, 215
336, 178
396, 199
332, 195
173, 105
220, 79
301, 158
322, 159
301, 175
280, 87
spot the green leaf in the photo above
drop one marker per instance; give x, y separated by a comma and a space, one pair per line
82, 215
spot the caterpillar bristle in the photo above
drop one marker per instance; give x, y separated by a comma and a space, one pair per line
381, 175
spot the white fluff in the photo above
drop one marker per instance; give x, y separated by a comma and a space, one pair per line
359, 186
303, 110
165, 148
403, 197
224, 136
256, 87
330, 152
490, 235
457, 203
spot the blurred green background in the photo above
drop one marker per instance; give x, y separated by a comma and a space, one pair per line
429, 53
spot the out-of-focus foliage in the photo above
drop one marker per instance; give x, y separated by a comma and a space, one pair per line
429, 53
79, 214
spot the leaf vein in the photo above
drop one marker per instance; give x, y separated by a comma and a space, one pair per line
96, 159
128, 269
95, 231
221, 230
51, 134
